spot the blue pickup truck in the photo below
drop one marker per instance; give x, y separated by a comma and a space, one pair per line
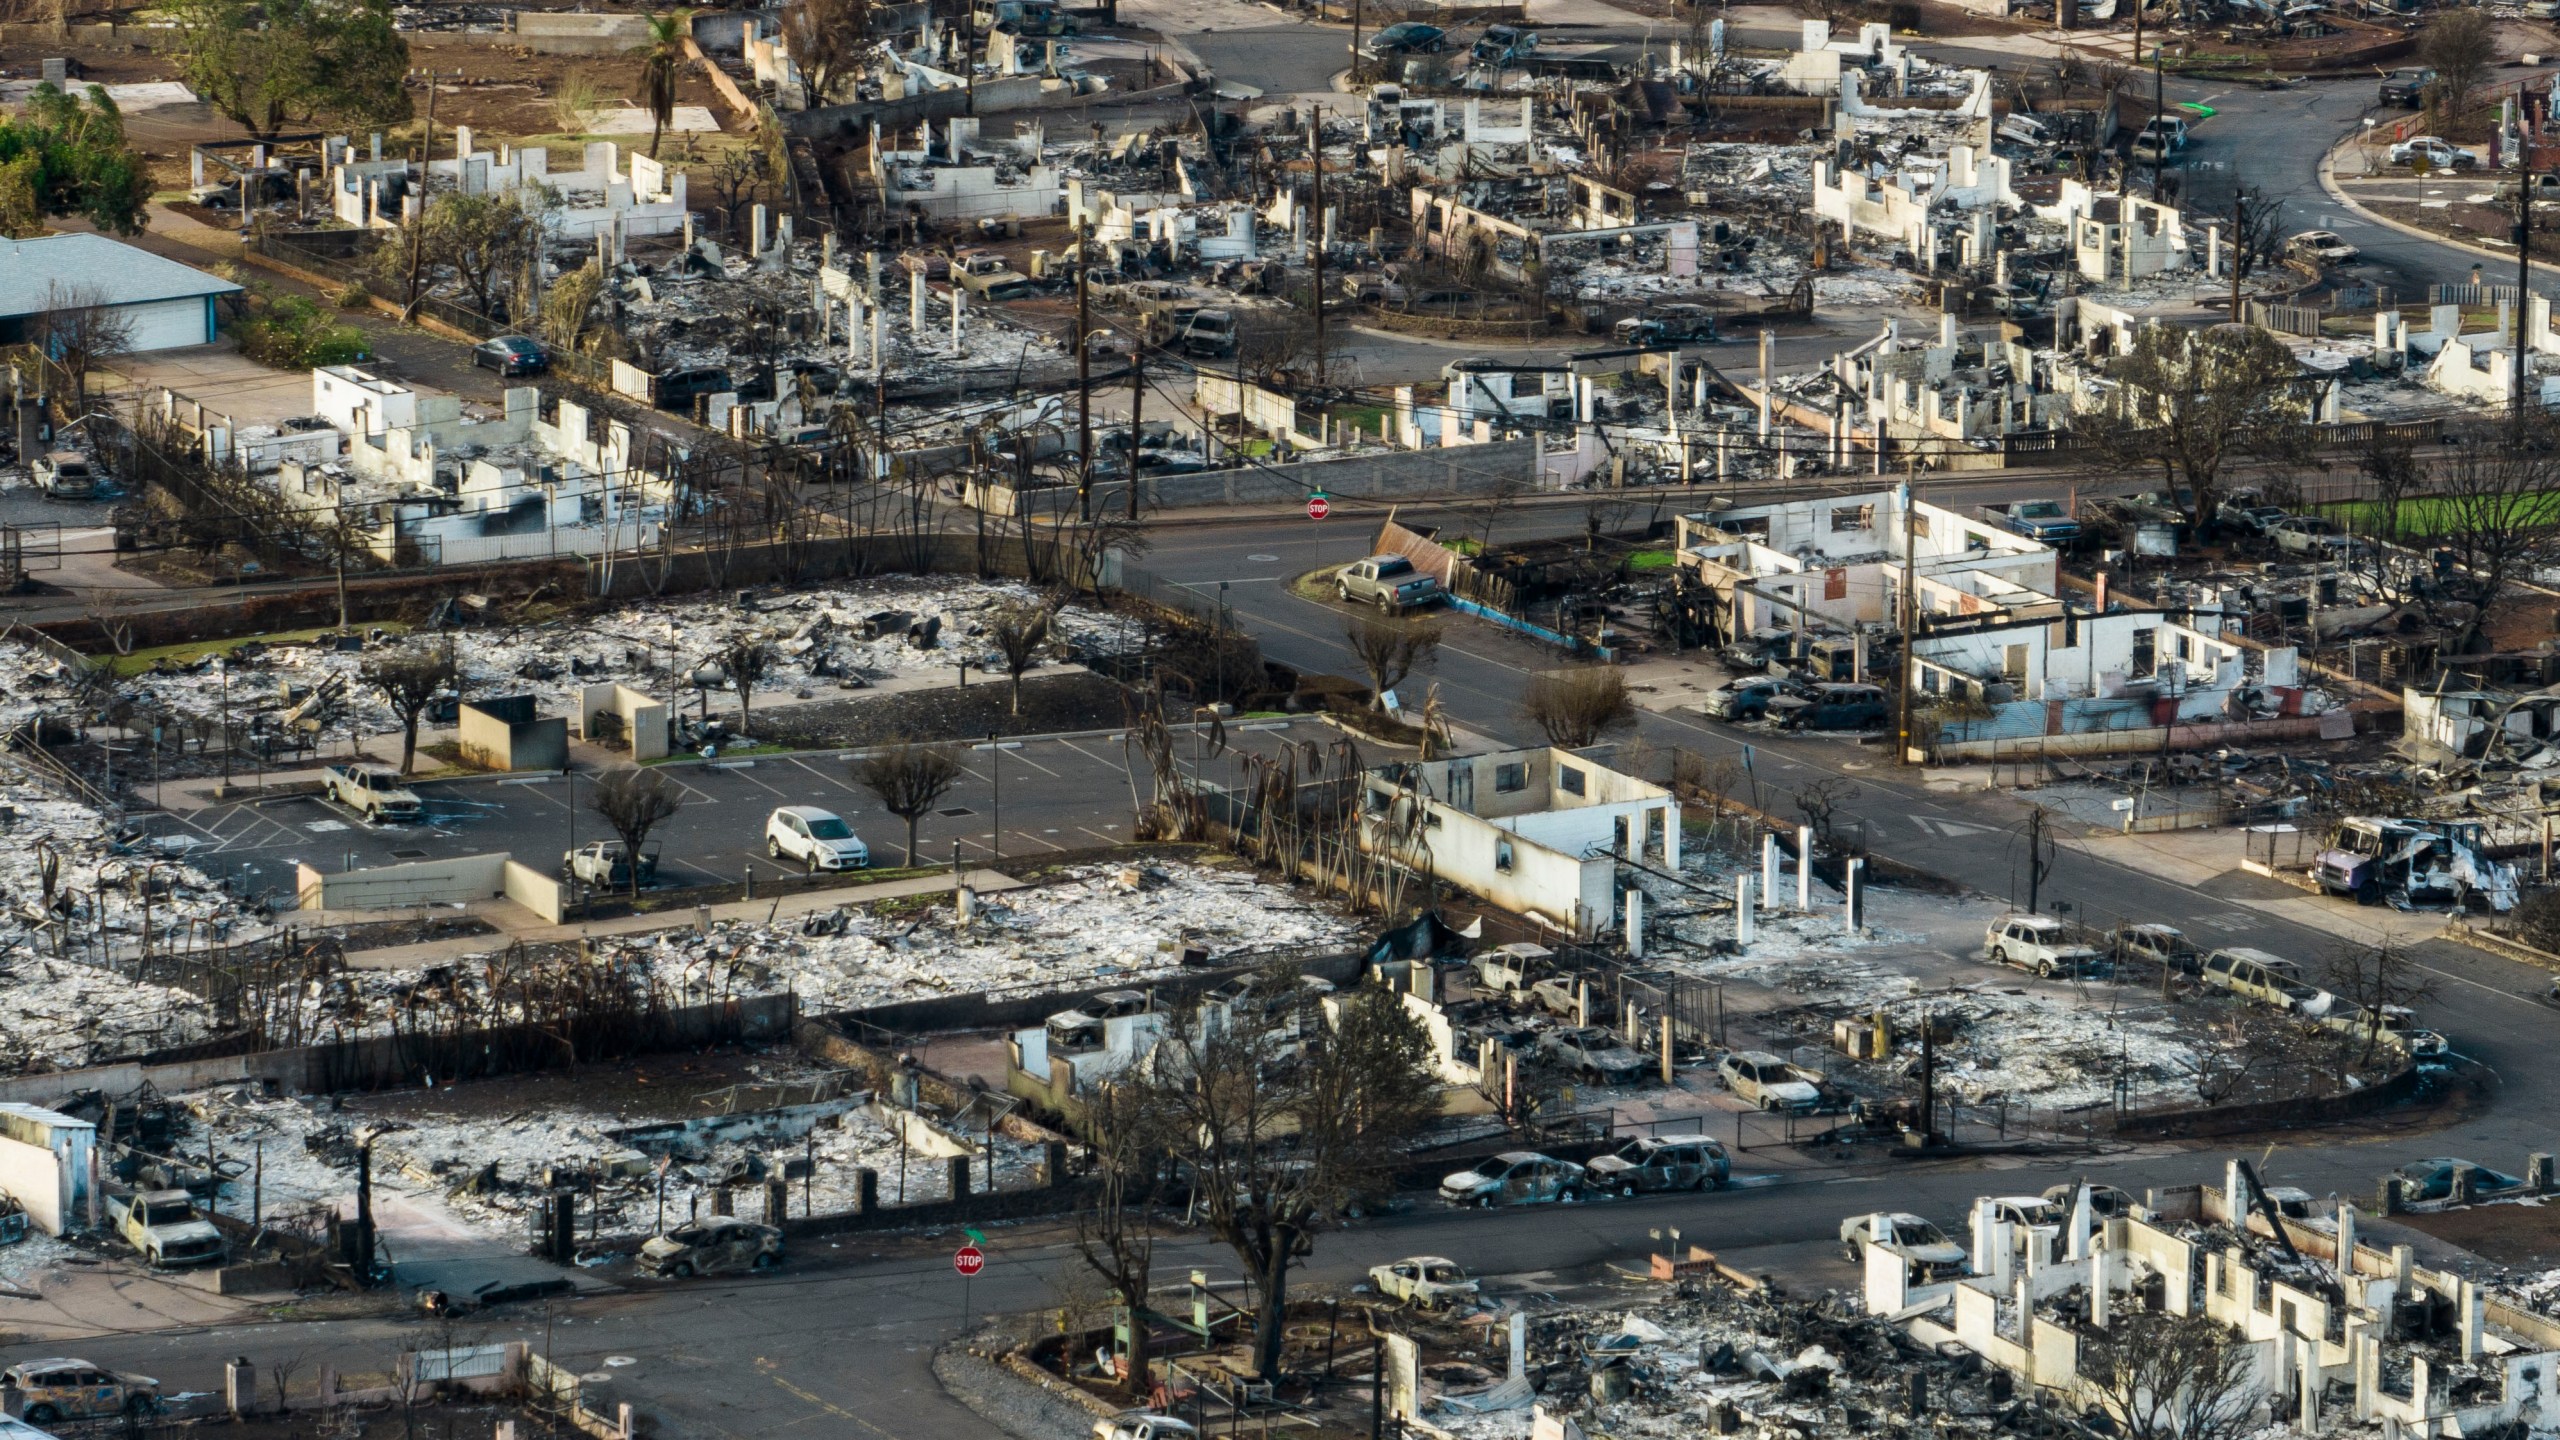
2043, 520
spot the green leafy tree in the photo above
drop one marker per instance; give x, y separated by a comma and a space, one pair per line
661, 61
64, 154
292, 332
269, 64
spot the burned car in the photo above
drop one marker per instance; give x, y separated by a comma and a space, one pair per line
1594, 1054
1832, 705
1426, 1281
1651, 1163
710, 1246
1515, 1177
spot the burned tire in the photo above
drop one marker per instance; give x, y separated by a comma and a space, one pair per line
1627, 1191
2044, 969
1484, 1202
681, 1270
42, 1414
1569, 1197
765, 1262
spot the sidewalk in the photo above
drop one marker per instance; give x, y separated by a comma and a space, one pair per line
2209, 861
499, 912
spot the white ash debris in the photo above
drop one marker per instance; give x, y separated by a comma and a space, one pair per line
687, 316
67, 960
488, 1170
1716, 1361
657, 646
1088, 923
2045, 1044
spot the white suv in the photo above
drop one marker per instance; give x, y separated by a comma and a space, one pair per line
2042, 944
818, 838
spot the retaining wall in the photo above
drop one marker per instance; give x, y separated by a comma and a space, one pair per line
385, 1062
1405, 475
560, 33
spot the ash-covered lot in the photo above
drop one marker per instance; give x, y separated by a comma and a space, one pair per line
826, 640
2055, 1045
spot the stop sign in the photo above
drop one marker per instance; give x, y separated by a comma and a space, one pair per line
1318, 506
969, 1260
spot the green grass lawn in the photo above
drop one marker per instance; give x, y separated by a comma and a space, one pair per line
2436, 515
1652, 560
188, 651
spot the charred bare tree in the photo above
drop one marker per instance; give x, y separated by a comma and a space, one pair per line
2380, 985
1574, 708
1122, 1126
1388, 650
409, 680
633, 802
745, 661
2496, 506
1283, 1117
909, 779
1018, 632
2171, 1377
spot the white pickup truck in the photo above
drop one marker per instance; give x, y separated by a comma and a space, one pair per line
165, 1227
376, 794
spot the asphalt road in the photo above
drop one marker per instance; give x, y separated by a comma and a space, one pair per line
841, 1343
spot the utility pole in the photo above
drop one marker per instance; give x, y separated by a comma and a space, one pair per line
1137, 399
2239, 234
2524, 271
1084, 380
2035, 859
1908, 607
1355, 39
1315, 229
2160, 142
426, 157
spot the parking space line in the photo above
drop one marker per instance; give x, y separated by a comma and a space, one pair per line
837, 781
1036, 840
1098, 835
1102, 760
1034, 764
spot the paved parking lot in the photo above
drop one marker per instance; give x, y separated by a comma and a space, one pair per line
1031, 797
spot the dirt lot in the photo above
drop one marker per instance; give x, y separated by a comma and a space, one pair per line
652, 1087
2525, 1235
503, 92
1050, 705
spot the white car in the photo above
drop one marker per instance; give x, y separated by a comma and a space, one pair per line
1428, 1281
1766, 1081
1909, 1233
2438, 153
2323, 246
817, 838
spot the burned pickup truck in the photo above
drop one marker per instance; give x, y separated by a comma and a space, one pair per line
167, 1228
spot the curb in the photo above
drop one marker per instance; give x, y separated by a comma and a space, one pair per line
2329, 186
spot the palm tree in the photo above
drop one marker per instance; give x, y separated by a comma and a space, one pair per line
660, 62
